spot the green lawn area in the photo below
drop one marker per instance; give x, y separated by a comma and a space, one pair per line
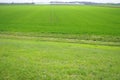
59, 42
42, 60
60, 19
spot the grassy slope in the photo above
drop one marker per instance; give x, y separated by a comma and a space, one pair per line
38, 60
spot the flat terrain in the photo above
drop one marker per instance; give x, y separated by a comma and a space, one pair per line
40, 60
51, 42
70, 21
60, 19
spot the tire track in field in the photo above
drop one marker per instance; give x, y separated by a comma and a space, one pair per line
53, 16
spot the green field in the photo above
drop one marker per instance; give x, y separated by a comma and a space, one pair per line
72, 21
39, 60
59, 42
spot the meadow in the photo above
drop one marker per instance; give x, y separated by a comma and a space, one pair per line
59, 42
71, 20
40, 60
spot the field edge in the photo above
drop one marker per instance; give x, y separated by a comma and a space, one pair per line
81, 39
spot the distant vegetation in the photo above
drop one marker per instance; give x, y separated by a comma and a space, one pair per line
66, 3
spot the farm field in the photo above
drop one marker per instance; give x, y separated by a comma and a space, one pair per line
78, 22
59, 42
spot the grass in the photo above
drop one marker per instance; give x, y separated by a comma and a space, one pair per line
60, 19
46, 42
96, 40
40, 60
78, 22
